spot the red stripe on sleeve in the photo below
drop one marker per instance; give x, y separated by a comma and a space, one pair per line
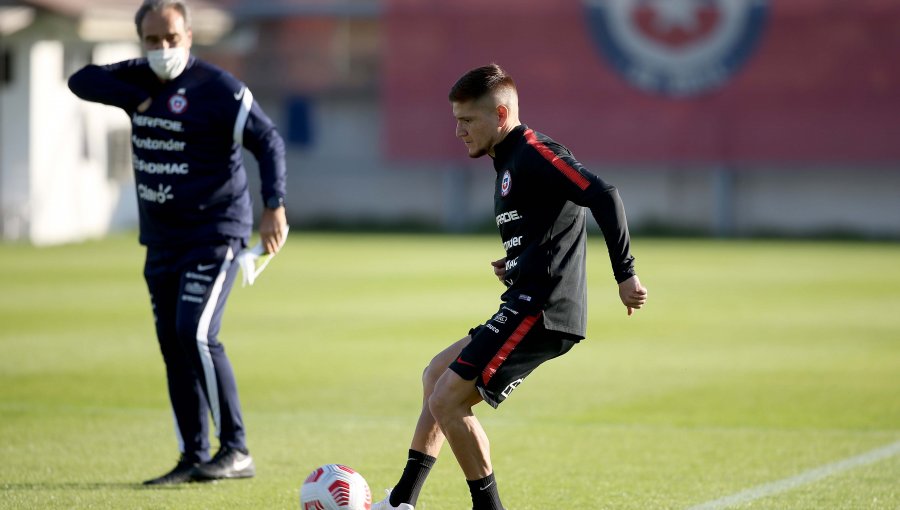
508, 346
567, 170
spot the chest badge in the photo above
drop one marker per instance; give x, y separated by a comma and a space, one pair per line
178, 103
505, 183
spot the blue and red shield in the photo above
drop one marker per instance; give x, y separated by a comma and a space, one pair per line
677, 47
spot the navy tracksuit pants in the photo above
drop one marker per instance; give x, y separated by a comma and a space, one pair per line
188, 290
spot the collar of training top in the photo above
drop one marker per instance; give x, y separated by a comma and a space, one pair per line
502, 149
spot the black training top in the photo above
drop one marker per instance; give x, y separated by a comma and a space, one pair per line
539, 200
187, 148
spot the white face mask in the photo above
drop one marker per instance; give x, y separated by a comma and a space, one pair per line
168, 63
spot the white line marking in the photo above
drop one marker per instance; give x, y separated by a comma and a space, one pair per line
813, 475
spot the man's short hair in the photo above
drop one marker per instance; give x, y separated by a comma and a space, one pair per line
160, 5
479, 82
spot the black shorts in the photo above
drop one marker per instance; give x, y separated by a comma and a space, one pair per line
508, 347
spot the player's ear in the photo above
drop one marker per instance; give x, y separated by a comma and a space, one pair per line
502, 114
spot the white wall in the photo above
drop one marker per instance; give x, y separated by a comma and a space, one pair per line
54, 174
72, 197
15, 125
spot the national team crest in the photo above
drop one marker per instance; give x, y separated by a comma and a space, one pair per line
677, 47
505, 183
178, 103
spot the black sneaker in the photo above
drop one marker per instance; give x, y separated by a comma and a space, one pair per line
226, 463
183, 472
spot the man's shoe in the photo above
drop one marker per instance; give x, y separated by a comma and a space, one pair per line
385, 504
183, 472
226, 463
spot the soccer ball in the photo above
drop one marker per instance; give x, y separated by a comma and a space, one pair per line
335, 487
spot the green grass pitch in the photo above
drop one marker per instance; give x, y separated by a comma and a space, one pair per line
752, 363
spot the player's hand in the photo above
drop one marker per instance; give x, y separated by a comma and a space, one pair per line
144, 105
271, 229
500, 268
633, 294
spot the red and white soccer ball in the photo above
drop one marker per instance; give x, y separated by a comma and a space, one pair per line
335, 487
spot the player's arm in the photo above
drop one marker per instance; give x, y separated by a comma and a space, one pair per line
606, 206
261, 138
587, 190
607, 209
574, 182
110, 85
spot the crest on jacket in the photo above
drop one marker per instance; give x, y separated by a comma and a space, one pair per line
505, 183
178, 103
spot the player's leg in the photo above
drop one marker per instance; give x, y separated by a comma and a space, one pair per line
451, 406
427, 438
523, 349
188, 403
471, 378
207, 278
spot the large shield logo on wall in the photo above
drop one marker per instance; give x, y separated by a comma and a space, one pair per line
677, 47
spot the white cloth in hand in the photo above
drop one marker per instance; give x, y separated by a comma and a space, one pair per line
253, 260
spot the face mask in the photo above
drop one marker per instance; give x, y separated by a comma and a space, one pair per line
169, 63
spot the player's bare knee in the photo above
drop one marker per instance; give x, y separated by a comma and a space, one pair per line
438, 365
431, 373
444, 407
428, 381
438, 407
430, 376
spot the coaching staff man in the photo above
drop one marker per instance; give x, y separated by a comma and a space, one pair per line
189, 123
539, 199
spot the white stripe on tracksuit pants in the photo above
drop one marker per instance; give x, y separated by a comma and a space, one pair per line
189, 289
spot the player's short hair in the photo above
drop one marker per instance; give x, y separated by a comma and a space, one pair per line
480, 82
160, 5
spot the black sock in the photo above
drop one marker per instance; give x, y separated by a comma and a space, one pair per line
413, 478
484, 494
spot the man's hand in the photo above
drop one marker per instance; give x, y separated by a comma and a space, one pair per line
500, 269
271, 229
632, 293
145, 105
